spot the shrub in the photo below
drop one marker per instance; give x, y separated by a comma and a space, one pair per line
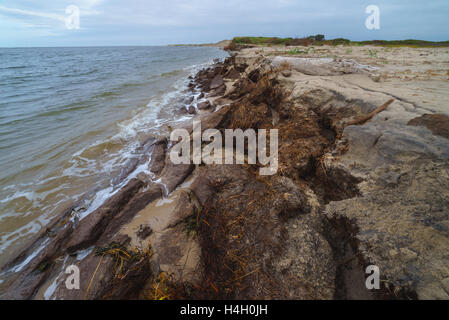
342, 41
372, 53
318, 37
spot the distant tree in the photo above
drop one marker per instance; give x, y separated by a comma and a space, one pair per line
319, 37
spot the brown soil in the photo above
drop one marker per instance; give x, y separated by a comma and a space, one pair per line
437, 123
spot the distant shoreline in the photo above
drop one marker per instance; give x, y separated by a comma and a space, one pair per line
220, 44
317, 40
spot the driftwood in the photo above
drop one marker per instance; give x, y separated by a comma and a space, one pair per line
365, 118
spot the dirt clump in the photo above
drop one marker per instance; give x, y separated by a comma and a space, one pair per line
437, 123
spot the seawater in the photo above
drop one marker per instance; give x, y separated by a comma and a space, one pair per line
72, 123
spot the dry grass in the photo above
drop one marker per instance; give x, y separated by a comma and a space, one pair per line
234, 236
238, 234
160, 288
124, 261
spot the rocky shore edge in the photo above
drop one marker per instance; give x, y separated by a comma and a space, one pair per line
348, 194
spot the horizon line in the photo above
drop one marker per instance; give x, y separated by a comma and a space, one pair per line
188, 44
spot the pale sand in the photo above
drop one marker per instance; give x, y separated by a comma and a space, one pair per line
415, 75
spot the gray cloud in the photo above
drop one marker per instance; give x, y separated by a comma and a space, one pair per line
109, 22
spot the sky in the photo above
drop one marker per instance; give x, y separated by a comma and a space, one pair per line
25, 23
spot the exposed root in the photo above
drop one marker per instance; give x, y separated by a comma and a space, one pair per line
367, 117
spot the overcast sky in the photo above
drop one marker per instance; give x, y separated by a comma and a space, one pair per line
150, 22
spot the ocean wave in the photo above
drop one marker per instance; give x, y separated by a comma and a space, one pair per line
106, 94
69, 108
14, 67
171, 73
74, 74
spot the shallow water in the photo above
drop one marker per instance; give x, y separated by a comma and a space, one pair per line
72, 121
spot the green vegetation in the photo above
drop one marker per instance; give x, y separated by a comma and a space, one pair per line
406, 43
339, 41
318, 37
261, 40
44, 266
294, 51
372, 53
297, 51
319, 40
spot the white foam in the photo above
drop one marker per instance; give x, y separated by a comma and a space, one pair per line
80, 255
29, 195
30, 228
163, 201
21, 265
52, 287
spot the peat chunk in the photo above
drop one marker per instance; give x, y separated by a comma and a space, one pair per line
437, 123
158, 156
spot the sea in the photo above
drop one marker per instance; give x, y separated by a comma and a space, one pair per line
73, 122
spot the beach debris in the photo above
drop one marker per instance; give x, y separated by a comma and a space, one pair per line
437, 123
367, 117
